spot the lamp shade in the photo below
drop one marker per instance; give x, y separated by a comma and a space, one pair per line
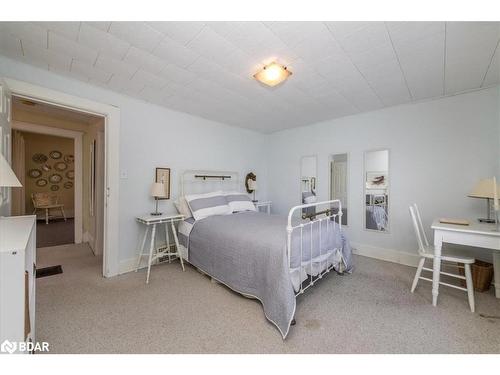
158, 190
7, 176
252, 185
484, 189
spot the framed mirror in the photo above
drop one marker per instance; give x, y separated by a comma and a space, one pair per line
376, 190
308, 181
339, 182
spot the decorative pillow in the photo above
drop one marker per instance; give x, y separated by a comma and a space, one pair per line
182, 207
239, 202
205, 205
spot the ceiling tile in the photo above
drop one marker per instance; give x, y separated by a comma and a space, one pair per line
469, 49
57, 60
177, 75
175, 53
101, 25
10, 45
60, 44
126, 85
105, 43
493, 75
139, 34
147, 79
182, 32
145, 60
66, 29
90, 71
211, 45
111, 65
26, 31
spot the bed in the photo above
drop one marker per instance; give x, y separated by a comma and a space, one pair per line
272, 258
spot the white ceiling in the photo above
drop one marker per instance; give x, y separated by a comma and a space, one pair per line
206, 68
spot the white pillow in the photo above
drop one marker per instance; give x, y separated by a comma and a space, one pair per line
209, 204
182, 207
239, 202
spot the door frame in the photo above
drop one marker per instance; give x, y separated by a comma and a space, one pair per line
111, 116
78, 151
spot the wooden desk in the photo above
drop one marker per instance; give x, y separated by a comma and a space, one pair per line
476, 234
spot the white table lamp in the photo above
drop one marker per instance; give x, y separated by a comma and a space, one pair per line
158, 190
487, 189
7, 176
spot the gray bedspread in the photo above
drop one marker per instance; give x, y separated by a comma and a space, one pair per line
247, 252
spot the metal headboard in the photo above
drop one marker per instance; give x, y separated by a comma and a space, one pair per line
204, 181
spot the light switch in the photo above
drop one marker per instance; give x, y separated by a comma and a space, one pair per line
123, 175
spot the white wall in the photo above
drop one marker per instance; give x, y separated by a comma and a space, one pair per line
438, 150
153, 136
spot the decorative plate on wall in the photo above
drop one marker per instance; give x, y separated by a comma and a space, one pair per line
34, 173
41, 182
46, 167
69, 159
54, 187
55, 154
60, 166
68, 185
55, 178
70, 174
39, 158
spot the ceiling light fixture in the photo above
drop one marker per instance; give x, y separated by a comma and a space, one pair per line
272, 74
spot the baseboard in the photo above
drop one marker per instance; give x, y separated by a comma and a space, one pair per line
388, 255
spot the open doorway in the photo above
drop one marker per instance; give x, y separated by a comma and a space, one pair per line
59, 154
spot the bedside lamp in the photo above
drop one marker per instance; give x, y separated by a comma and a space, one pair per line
7, 176
485, 189
251, 184
158, 190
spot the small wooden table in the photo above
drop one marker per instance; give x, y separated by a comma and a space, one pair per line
476, 234
155, 253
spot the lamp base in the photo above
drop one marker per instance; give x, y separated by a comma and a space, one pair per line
488, 221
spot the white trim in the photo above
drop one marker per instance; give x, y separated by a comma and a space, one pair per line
78, 149
388, 255
112, 151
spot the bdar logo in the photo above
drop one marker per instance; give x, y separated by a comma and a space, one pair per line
8, 347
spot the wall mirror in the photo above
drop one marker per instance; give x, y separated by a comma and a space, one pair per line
339, 172
308, 180
376, 181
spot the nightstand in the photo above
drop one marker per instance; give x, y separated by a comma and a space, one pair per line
150, 222
265, 204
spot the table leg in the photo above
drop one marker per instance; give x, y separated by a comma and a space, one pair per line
436, 269
141, 249
496, 271
177, 244
167, 238
151, 249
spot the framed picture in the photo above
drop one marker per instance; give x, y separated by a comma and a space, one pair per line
376, 180
163, 175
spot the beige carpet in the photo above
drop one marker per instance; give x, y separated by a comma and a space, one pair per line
370, 311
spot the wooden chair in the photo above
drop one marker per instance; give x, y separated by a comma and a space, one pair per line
47, 202
427, 252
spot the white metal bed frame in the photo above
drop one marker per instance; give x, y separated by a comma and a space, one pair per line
330, 215
332, 212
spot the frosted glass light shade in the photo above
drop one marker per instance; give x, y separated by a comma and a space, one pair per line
158, 190
7, 176
272, 74
484, 189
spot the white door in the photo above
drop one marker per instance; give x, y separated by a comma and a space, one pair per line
5, 142
339, 181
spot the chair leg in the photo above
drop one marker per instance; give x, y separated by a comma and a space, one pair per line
417, 274
470, 287
46, 216
63, 215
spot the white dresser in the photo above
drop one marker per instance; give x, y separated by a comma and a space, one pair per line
17, 280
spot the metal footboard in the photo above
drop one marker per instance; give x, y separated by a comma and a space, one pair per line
331, 215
